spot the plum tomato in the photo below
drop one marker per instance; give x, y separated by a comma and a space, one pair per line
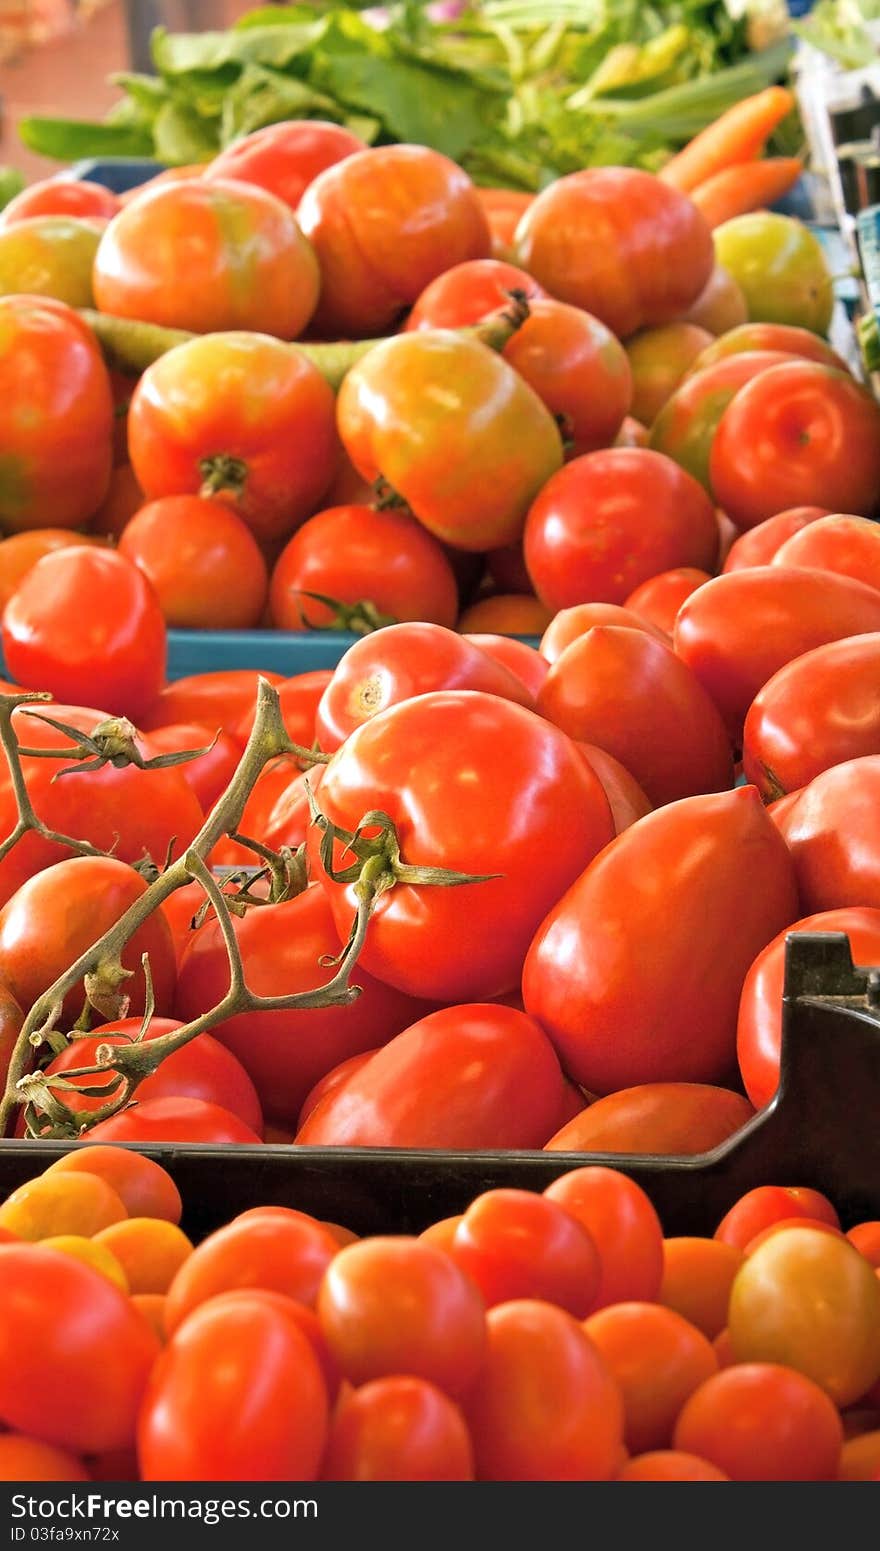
666, 1118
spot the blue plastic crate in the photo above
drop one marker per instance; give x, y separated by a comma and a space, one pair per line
117, 173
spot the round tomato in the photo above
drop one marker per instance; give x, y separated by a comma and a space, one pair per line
398, 1429
720, 306
658, 1359
210, 774
697, 1277
658, 359
768, 1204
145, 1189
757, 546
618, 243
667, 1118
20, 553
685, 427
771, 336
469, 292
762, 1422
847, 546
28, 1459
203, 562
299, 698
660, 597
515, 1244
215, 700
669, 1465
623, 1226
50, 255
176, 1120
781, 268
578, 369
612, 519
833, 833
510, 614
504, 208
207, 256
271, 1248
284, 158
61, 196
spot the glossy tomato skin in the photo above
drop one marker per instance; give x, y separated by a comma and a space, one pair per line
398, 1429
458, 746
203, 562
85, 621
439, 415
762, 1422
597, 1005
624, 1227
578, 369
61, 196
686, 425
354, 554
658, 359
633, 697
798, 433
515, 1244
833, 833
208, 255
469, 292
57, 450
504, 208
618, 243
20, 553
287, 1052
383, 224
738, 630
720, 306
27, 1459
176, 1120
757, 546
771, 336
660, 598
844, 545
664, 1118
264, 436
572, 623
627, 800
284, 158
476, 1075
523, 660
612, 519
299, 698
52, 256
11, 1020
210, 774
507, 613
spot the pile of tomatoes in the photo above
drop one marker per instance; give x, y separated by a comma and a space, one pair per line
533, 1337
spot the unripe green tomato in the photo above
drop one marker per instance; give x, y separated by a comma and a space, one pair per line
781, 268
50, 255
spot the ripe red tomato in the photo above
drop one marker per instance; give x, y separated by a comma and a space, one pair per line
659, 598
145, 1189
666, 1118
504, 209
799, 432
626, 799
669, 1465
299, 698
472, 1076
686, 425
380, 564
466, 293
613, 519
600, 1008
738, 630
27, 1459
523, 660
633, 697
86, 622
176, 1120
771, 336
57, 449
578, 369
833, 833
20, 553
767, 1204
762, 1422
515, 1244
659, 358
61, 196
570, 624
11, 1020
202, 560
618, 243
658, 1359
759, 545
398, 1429
844, 545
284, 158
383, 224
213, 700
207, 256
332, 1080
512, 614
210, 774
273, 1248
459, 747
624, 1227
278, 779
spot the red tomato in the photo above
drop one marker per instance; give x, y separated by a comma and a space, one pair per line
335, 1078
759, 545
771, 336
506, 615
264, 437
577, 368
284, 158
600, 1007
626, 799
504, 209
27, 1459
782, 1227
833, 833
659, 599
205, 1418
398, 1429
145, 1189
799, 432
465, 1077
57, 449
667, 1118
85, 622
299, 698
272, 1248
544, 1406
287, 1052
280, 778
613, 519
459, 746
175, 1120
377, 566
211, 699
658, 1359
633, 697
61, 196
632, 433
738, 630
210, 774
11, 1020
721, 305
571, 624
383, 224
697, 1277
767, 1204
20, 553
762, 1422
469, 292
515, 1244
846, 546
685, 427
522, 660
207, 256
203, 562
658, 359
669, 1465
96, 1347
866, 1238
618, 243
624, 1227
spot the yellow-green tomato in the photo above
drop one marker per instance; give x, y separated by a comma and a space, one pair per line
658, 360
810, 1301
50, 255
781, 268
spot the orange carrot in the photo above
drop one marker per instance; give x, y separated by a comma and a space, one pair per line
749, 186
739, 135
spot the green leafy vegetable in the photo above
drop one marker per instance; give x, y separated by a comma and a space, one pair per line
11, 183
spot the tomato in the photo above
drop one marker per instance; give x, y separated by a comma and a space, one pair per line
504, 208
866, 1238
204, 1418
860, 1458
85, 621
398, 1429
285, 1053
20, 553
573, 623
335, 1078
284, 158
811, 1301
96, 1347
299, 698
50, 255
697, 1277
844, 545
736, 631
263, 437
600, 1008
515, 1244
669, 1465
762, 1422
438, 415
632, 434
523, 661
376, 566
466, 293
208, 256
212, 699
203, 562
56, 451
92, 1254
618, 243
124, 497
658, 1359
782, 1227
767, 1204
175, 1120
665, 1118
457, 746
472, 1076
832, 833
659, 358
544, 1406
757, 546
720, 306
686, 426
146, 1189
280, 778
633, 697
771, 336
781, 268
80, 1204
578, 369
383, 224
612, 519
149, 1252
393, 665
624, 1227
61, 196
799, 432
28, 1459
659, 599
506, 568
509, 615
11, 1020
210, 774
626, 799
168, 175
